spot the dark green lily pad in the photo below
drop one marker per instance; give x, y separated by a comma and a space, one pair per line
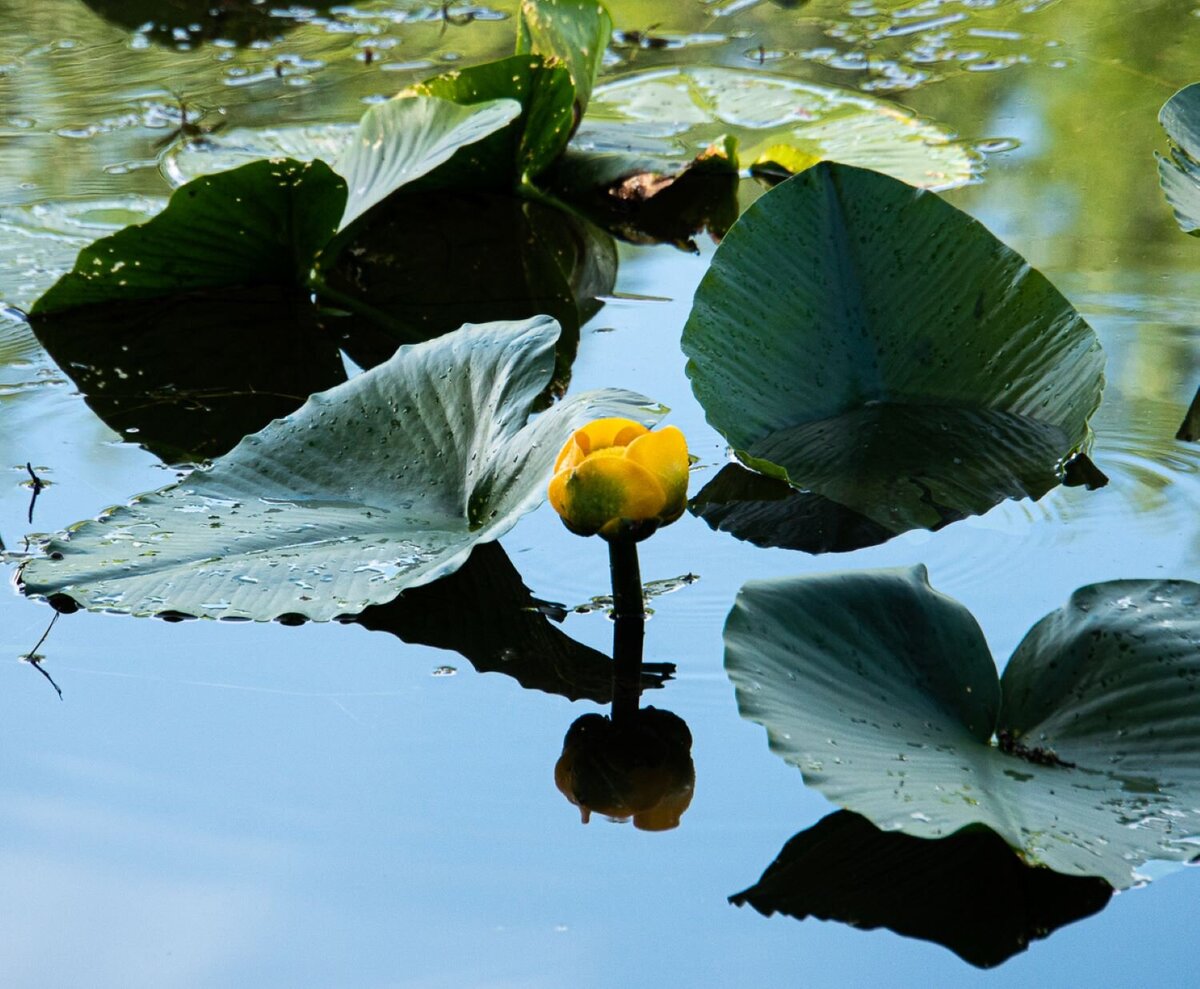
574, 31
871, 344
380, 484
251, 355
883, 693
526, 146
969, 892
260, 224
1180, 174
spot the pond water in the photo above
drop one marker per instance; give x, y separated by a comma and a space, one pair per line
242, 804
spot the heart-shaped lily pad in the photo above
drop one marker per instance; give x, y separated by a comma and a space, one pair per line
382, 483
1084, 757
873, 345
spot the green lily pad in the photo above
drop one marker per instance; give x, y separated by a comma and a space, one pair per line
969, 892
531, 142
258, 224
871, 344
382, 483
673, 114
1180, 174
402, 140
574, 31
883, 693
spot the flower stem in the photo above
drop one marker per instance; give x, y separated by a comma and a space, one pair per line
629, 623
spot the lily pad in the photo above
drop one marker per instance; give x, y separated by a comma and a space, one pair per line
969, 892
1084, 757
674, 114
871, 344
382, 483
528, 145
1180, 174
574, 31
402, 140
258, 224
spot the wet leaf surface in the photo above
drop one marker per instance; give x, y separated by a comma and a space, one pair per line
883, 693
871, 344
383, 483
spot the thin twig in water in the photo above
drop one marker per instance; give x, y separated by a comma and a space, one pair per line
37, 489
35, 661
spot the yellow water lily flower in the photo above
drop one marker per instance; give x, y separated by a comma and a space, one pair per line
617, 478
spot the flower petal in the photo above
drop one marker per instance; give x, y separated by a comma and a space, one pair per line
571, 455
664, 454
604, 489
601, 433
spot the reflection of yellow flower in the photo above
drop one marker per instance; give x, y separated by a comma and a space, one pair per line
640, 769
614, 476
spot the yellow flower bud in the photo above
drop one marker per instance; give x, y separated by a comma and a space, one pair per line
615, 477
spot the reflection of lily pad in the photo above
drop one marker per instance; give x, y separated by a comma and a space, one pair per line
769, 512
968, 892
506, 632
252, 355
1180, 174
382, 483
185, 23
676, 113
422, 265
873, 345
883, 693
